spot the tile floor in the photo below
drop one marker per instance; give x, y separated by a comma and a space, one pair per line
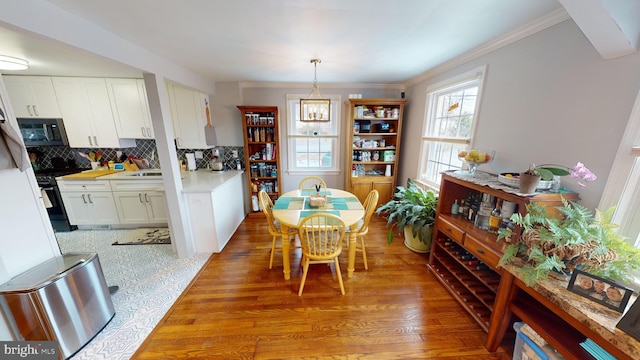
150, 278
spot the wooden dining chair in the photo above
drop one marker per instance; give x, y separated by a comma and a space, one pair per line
310, 182
370, 204
321, 237
274, 226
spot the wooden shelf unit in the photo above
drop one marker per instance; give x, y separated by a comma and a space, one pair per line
491, 295
260, 133
494, 297
363, 130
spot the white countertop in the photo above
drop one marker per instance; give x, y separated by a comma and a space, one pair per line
201, 180
204, 180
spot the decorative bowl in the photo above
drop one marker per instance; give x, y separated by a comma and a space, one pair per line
513, 179
473, 158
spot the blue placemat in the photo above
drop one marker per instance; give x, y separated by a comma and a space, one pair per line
289, 203
304, 214
282, 203
339, 203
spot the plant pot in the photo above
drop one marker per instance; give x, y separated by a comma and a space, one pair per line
528, 183
414, 244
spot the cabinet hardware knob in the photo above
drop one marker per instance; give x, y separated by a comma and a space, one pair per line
480, 251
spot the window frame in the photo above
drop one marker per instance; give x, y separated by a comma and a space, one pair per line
293, 100
623, 182
433, 92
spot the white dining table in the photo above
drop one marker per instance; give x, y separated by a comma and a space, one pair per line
291, 207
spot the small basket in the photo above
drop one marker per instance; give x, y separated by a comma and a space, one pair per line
317, 200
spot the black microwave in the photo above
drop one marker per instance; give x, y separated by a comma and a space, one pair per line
42, 132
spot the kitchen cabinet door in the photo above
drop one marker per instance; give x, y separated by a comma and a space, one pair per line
32, 96
90, 208
361, 186
103, 208
86, 109
157, 207
188, 116
130, 108
131, 207
76, 206
141, 207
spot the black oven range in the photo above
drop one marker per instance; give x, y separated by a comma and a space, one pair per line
47, 181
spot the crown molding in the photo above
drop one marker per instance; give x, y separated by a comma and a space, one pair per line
291, 85
522, 32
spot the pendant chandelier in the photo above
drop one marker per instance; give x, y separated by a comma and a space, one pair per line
316, 107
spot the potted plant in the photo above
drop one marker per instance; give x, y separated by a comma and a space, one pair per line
575, 239
412, 210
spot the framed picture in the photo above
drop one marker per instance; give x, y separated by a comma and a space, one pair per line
602, 291
630, 322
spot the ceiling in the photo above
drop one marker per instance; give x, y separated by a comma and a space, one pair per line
357, 41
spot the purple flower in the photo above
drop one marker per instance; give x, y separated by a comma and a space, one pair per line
581, 172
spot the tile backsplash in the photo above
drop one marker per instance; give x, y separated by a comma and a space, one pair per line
145, 149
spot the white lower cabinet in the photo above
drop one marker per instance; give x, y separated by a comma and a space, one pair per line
88, 202
141, 207
140, 201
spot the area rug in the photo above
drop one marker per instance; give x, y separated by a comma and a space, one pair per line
145, 236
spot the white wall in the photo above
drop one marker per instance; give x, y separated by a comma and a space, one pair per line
225, 114
549, 98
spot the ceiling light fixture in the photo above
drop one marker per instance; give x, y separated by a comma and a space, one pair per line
315, 107
13, 63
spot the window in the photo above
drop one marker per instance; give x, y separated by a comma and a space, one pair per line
313, 146
450, 121
623, 184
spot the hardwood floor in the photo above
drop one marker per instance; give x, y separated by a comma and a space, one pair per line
237, 308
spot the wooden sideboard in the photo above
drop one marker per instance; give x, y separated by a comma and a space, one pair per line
562, 318
496, 296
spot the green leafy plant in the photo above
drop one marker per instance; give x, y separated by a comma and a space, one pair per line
574, 239
411, 206
547, 171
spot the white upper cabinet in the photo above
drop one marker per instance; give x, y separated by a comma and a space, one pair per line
32, 96
188, 116
86, 110
130, 108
